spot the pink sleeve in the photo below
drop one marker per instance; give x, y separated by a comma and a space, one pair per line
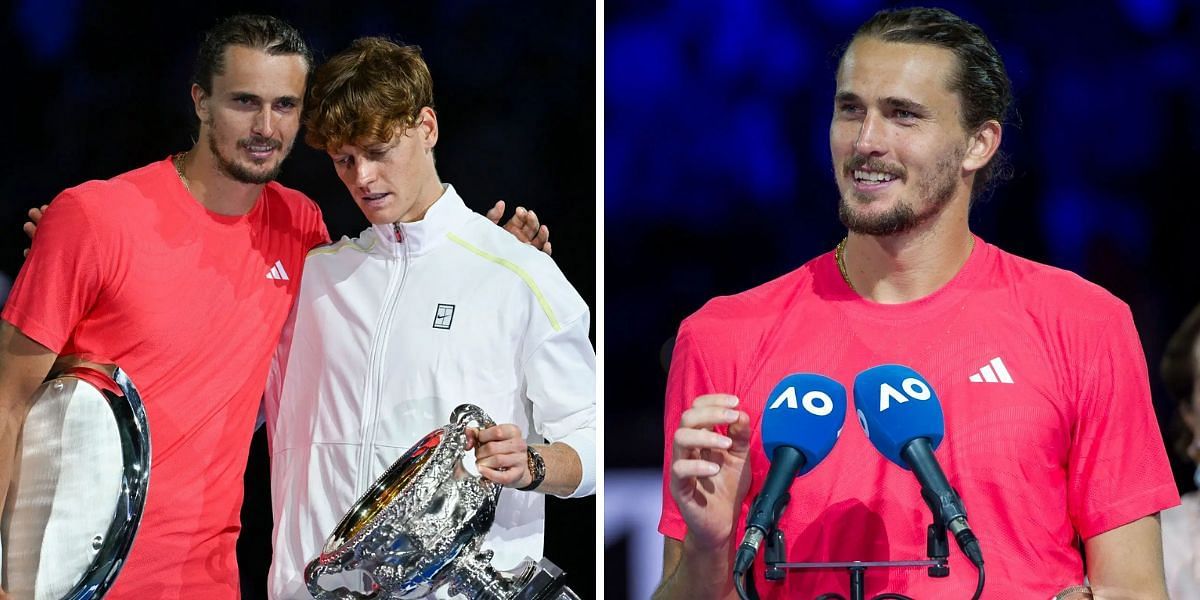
312, 226
687, 379
1117, 469
319, 234
62, 277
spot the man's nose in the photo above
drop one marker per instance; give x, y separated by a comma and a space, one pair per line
870, 140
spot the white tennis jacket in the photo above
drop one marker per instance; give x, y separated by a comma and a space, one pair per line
390, 332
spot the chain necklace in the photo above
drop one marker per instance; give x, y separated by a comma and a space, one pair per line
839, 254
177, 159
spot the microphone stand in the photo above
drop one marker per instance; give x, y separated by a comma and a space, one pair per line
937, 549
743, 581
937, 542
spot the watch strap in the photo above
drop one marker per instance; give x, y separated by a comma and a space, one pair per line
537, 468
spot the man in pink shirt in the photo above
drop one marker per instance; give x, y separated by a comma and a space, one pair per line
1051, 440
163, 271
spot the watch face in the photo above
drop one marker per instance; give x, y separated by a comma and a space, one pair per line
537, 468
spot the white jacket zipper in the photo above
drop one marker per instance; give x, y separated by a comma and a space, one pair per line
376, 362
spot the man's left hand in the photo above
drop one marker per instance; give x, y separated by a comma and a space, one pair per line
524, 226
30, 229
500, 454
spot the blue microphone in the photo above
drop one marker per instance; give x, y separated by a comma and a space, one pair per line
801, 422
902, 418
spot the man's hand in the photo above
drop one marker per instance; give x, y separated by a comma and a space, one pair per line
500, 454
30, 228
709, 474
524, 226
708, 479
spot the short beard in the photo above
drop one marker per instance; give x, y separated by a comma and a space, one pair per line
238, 172
937, 191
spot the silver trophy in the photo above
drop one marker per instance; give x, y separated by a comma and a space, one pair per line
78, 489
420, 526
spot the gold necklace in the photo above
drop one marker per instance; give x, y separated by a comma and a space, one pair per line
178, 161
839, 254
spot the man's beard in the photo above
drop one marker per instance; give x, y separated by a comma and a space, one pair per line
240, 173
936, 190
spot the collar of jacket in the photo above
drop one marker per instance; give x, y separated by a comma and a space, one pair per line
421, 236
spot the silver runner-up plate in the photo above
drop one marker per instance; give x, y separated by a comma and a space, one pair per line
77, 492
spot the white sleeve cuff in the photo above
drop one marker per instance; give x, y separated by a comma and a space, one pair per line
583, 442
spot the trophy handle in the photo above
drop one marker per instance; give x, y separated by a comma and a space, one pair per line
460, 418
466, 413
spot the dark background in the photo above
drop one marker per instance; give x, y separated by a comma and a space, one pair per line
93, 89
718, 178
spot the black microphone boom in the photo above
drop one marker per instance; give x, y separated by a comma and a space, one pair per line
942, 498
786, 463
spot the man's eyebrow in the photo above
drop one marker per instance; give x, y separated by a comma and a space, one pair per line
845, 97
894, 102
379, 146
906, 104
253, 96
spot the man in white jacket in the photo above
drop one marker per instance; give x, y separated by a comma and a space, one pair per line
430, 307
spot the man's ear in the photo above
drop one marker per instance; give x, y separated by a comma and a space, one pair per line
982, 146
200, 102
428, 126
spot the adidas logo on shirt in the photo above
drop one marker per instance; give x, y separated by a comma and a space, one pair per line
993, 372
277, 272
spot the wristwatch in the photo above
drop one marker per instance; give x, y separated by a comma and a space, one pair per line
537, 467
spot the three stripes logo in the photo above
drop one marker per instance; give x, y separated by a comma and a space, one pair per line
993, 372
277, 272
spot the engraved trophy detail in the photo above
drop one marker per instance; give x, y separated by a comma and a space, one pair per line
420, 526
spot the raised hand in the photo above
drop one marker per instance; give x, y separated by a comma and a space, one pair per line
710, 474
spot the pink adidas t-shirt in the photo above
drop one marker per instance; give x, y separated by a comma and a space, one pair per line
133, 271
1050, 433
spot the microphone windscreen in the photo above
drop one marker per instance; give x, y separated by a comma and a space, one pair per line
806, 412
896, 405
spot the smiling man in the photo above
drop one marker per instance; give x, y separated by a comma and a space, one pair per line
162, 271
1041, 374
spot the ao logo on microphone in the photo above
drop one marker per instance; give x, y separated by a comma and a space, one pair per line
805, 412
814, 401
914, 389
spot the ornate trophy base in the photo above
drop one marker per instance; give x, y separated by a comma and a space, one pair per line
541, 580
545, 583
